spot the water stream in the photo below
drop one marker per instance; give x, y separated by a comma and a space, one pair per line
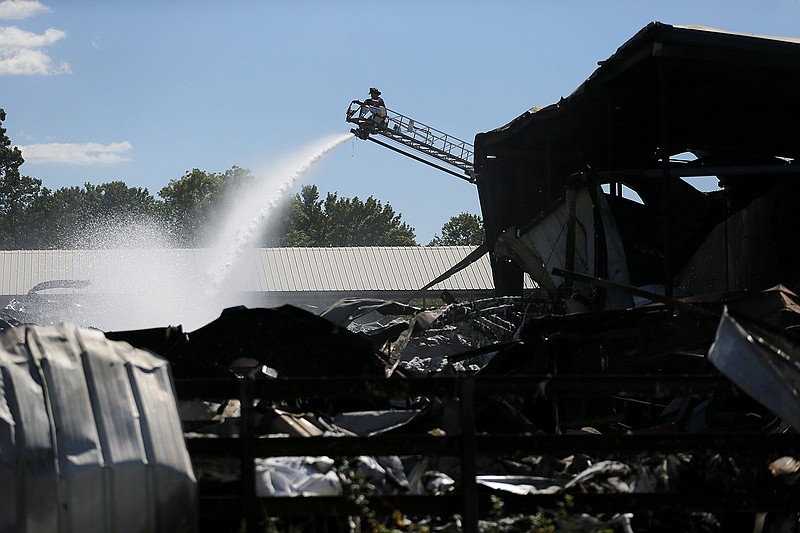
250, 212
155, 285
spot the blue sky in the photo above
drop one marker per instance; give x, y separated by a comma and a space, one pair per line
142, 91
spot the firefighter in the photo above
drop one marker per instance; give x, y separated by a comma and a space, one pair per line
374, 109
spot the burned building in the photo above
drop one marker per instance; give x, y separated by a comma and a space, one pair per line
673, 102
678, 415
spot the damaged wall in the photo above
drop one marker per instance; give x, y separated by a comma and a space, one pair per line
731, 100
90, 435
764, 232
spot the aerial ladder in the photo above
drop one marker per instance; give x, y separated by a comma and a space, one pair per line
414, 135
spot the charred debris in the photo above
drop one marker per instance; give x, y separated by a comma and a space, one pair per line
664, 312
682, 400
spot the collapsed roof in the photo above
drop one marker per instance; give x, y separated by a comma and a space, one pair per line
731, 100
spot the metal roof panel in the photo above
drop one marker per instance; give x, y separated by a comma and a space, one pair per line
313, 269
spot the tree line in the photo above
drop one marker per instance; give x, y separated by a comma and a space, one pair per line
189, 209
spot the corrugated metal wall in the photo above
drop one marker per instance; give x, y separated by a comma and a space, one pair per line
90, 436
401, 268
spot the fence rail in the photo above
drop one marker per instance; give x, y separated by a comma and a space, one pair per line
469, 500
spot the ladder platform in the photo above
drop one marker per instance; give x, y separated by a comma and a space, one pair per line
415, 135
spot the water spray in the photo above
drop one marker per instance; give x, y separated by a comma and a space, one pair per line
245, 223
150, 283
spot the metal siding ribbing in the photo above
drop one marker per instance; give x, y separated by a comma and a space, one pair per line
270, 270
437, 267
400, 267
254, 273
293, 273
345, 272
294, 282
422, 267
325, 281
451, 256
315, 273
424, 264
390, 259
393, 260
469, 276
294, 266
448, 258
407, 267
341, 265
305, 267
353, 271
13, 274
308, 273
389, 268
319, 276
257, 273
433, 265
324, 277
372, 279
5, 268
380, 269
350, 267
367, 272
267, 269
287, 281
7, 280
24, 266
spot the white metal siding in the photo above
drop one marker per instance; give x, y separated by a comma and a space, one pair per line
352, 269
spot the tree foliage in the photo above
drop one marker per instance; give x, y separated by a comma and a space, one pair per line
188, 205
464, 229
192, 204
336, 221
189, 208
70, 216
17, 192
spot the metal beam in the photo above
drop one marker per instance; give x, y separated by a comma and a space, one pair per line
421, 160
681, 171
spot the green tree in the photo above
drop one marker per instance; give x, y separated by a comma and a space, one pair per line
42, 228
116, 201
188, 204
465, 229
336, 221
17, 193
65, 214
192, 204
79, 217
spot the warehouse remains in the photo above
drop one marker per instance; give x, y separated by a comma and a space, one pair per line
650, 385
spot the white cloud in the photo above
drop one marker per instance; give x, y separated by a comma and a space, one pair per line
20, 54
13, 37
29, 62
20, 50
21, 9
77, 154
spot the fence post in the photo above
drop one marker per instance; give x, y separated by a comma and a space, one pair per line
469, 470
247, 466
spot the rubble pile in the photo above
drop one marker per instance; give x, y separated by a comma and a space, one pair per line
747, 340
514, 337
